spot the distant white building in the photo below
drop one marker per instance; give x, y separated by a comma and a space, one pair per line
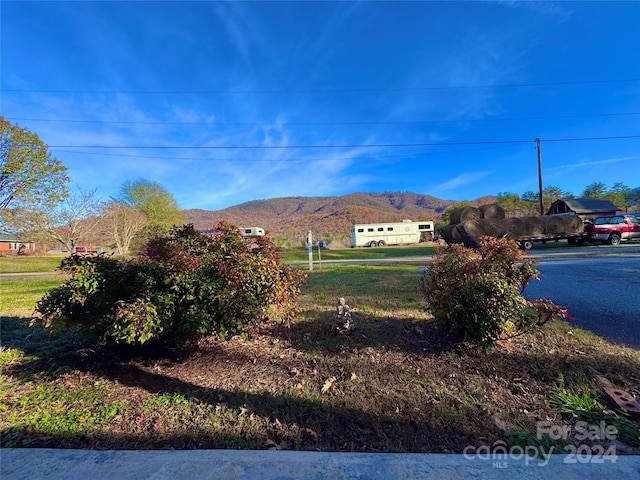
245, 232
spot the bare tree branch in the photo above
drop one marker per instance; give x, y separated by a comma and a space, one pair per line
68, 223
121, 223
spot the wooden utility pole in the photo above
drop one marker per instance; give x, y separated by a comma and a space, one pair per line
540, 178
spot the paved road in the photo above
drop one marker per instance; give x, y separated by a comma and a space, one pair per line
586, 250
592, 250
602, 293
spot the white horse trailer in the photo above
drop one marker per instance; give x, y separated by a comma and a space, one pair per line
381, 234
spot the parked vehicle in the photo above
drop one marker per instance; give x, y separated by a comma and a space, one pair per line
405, 232
614, 229
252, 232
85, 250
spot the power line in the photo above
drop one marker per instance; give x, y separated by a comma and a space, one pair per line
622, 137
362, 145
265, 124
333, 158
339, 90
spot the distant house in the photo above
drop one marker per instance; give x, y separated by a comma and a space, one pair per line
10, 245
585, 208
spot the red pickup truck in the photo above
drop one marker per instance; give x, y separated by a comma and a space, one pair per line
85, 250
614, 228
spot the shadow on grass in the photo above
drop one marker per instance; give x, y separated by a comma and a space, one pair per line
321, 423
319, 334
447, 421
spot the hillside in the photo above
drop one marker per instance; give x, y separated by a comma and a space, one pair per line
330, 218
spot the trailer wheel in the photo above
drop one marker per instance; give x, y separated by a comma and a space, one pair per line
527, 245
382, 243
373, 243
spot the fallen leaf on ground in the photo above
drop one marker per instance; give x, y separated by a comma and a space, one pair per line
245, 409
328, 384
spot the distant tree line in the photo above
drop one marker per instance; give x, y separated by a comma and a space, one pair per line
623, 196
37, 204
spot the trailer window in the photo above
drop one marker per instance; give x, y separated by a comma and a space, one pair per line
370, 230
381, 229
361, 230
389, 229
424, 227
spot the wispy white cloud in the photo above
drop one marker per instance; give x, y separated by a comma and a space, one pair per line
605, 161
557, 9
464, 179
239, 29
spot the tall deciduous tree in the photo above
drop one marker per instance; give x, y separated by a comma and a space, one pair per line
156, 202
530, 203
634, 196
619, 193
550, 194
68, 223
595, 190
121, 224
29, 176
446, 215
511, 204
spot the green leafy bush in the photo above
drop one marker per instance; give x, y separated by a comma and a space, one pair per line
184, 286
477, 293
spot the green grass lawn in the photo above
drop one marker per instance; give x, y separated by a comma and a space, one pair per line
24, 292
27, 264
302, 255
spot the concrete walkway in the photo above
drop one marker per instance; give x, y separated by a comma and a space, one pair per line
52, 464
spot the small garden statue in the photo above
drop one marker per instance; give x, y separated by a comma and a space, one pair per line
344, 321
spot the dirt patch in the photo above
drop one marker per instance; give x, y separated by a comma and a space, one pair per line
396, 384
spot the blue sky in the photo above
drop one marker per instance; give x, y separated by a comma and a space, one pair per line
255, 100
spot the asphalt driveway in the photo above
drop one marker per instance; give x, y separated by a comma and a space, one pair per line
602, 293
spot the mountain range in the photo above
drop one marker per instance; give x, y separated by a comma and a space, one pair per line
287, 220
